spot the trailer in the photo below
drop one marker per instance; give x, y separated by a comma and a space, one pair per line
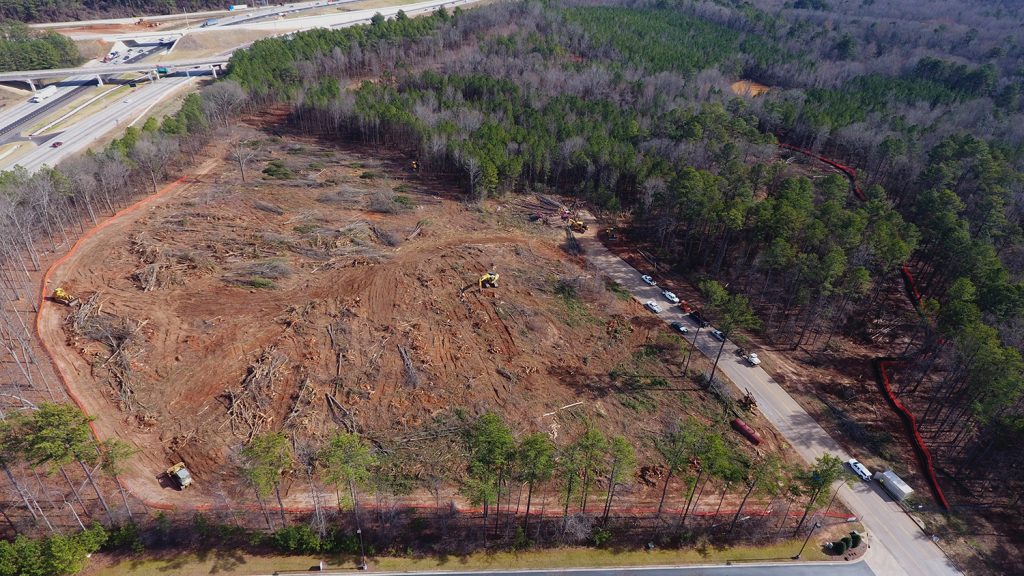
894, 485
234, 7
43, 94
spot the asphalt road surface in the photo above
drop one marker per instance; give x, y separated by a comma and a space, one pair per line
810, 569
899, 545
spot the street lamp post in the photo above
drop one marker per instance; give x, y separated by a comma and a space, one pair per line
813, 528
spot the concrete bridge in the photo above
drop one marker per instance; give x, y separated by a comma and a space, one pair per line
97, 72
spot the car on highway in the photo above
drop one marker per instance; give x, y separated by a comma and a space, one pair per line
699, 319
653, 306
671, 297
859, 469
648, 280
753, 359
680, 327
56, 145
718, 334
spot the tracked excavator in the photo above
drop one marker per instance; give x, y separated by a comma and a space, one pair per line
578, 226
64, 297
489, 280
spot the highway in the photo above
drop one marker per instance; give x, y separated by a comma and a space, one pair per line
899, 545
118, 114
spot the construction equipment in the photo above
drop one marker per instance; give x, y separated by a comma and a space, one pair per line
180, 475
489, 280
748, 402
64, 297
415, 166
577, 226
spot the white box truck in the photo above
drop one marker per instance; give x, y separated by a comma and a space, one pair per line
43, 94
894, 485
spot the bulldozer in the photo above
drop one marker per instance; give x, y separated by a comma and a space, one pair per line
180, 475
64, 297
578, 226
489, 280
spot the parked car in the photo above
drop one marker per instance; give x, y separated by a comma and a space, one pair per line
653, 306
648, 280
753, 359
699, 319
718, 334
679, 327
859, 469
56, 145
670, 296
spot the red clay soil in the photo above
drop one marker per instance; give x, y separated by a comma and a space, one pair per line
301, 273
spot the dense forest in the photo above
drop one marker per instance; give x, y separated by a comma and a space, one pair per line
22, 48
30, 11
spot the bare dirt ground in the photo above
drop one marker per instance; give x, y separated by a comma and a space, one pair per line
199, 44
749, 88
344, 296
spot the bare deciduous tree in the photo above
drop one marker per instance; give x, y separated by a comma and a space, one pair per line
153, 152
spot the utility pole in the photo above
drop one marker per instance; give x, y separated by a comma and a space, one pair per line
813, 528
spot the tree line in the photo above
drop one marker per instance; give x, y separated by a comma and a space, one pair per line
31, 11
22, 48
581, 478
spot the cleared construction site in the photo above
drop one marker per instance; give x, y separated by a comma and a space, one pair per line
342, 291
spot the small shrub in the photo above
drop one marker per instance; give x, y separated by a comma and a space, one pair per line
403, 201
839, 548
261, 283
306, 228
370, 175
847, 542
278, 171
521, 542
124, 538
316, 166
296, 540
601, 537
854, 539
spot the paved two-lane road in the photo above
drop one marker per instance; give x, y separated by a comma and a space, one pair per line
899, 546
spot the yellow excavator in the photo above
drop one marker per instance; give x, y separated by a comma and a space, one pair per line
489, 280
577, 226
64, 297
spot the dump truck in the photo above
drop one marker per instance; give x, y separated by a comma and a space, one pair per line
180, 475
894, 485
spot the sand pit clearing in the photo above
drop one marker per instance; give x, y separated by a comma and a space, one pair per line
343, 295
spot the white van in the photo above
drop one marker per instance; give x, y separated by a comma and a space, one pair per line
859, 469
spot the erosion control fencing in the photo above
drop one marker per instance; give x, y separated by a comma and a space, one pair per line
924, 457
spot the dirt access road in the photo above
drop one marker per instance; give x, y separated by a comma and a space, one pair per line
67, 364
900, 547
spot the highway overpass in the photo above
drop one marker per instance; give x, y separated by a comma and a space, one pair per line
30, 76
